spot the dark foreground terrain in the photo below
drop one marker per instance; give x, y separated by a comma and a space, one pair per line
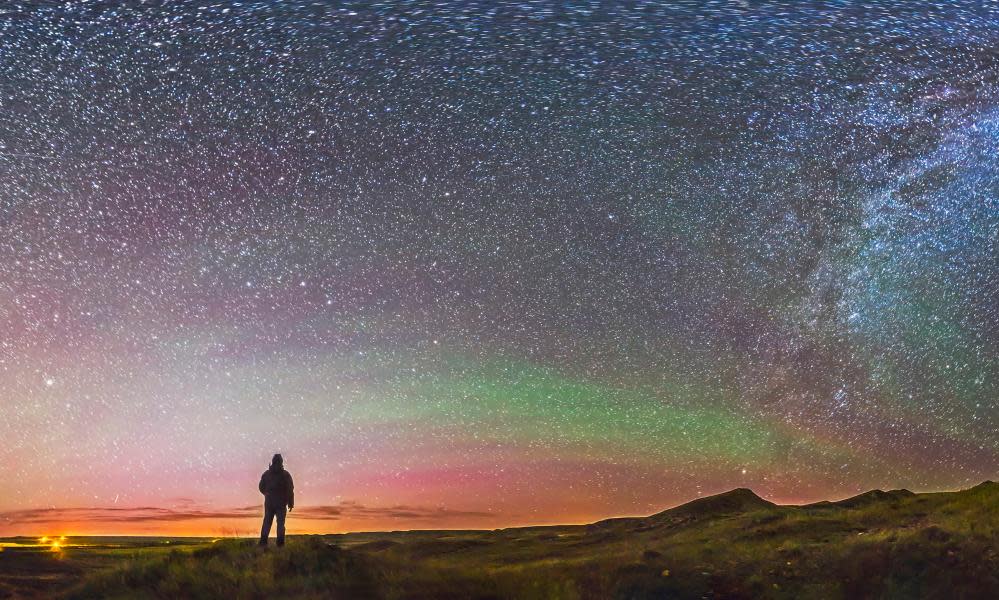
735, 545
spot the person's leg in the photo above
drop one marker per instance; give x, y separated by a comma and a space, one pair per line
281, 513
265, 529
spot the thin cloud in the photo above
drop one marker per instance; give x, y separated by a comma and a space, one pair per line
350, 510
154, 514
119, 515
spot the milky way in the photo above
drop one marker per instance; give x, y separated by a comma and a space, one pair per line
491, 263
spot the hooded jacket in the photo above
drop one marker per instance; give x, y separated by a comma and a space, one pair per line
277, 487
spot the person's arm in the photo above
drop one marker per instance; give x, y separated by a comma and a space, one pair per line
291, 493
261, 485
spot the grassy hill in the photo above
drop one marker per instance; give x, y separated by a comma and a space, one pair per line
734, 545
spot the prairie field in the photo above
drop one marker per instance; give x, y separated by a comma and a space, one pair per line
735, 545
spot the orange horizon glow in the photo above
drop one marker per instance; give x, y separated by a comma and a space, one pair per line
250, 529
248, 526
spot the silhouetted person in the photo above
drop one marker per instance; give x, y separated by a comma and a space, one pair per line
279, 493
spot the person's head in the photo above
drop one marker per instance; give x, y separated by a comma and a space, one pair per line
277, 462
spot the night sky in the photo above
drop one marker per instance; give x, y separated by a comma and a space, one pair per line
490, 263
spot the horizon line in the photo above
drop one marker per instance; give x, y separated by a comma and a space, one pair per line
337, 512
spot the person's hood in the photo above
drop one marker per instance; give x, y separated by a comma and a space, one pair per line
277, 463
